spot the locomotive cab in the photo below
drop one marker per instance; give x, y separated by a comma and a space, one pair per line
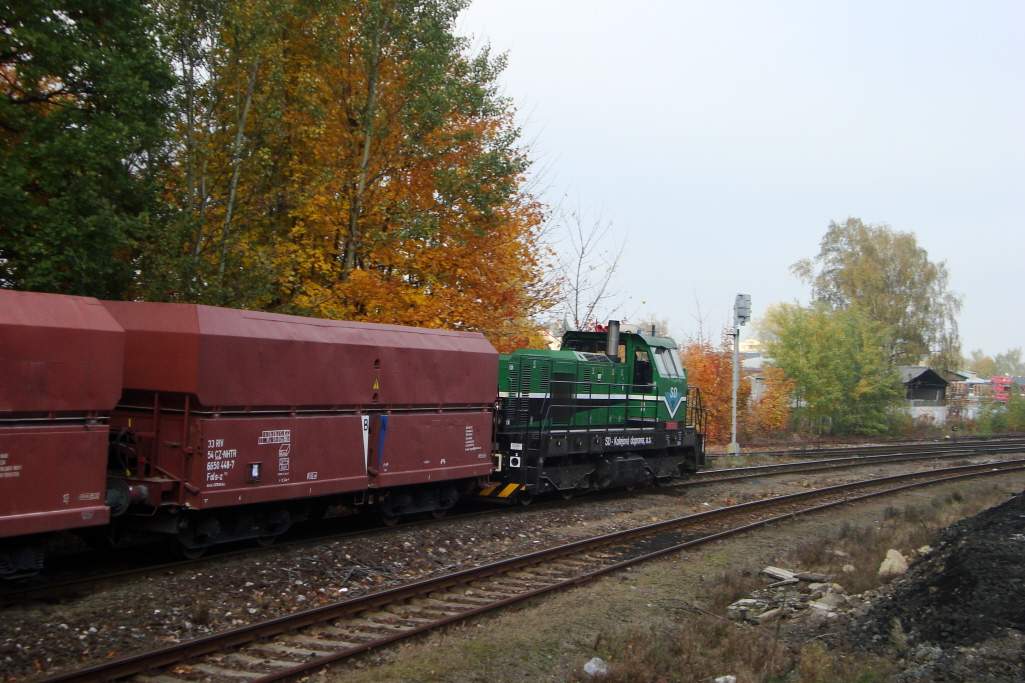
651, 365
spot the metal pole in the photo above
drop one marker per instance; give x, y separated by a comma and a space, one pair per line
734, 447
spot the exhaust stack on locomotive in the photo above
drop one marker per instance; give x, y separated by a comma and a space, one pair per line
612, 349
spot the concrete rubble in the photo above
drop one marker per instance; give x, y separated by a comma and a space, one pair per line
894, 564
792, 593
596, 667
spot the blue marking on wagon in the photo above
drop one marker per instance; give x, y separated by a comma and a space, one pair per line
380, 441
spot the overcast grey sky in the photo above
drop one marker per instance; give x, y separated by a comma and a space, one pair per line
722, 137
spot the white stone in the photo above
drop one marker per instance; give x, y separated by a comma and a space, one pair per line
925, 550
894, 564
848, 569
595, 667
729, 678
828, 602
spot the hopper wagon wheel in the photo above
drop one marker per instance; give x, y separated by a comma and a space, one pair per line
567, 494
267, 541
440, 513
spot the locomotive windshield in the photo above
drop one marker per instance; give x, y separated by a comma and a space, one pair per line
667, 363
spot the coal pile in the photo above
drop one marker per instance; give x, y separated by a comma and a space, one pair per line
959, 613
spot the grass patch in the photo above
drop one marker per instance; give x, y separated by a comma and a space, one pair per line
904, 528
707, 646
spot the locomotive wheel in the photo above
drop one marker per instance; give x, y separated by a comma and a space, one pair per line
525, 499
389, 520
267, 541
189, 553
439, 514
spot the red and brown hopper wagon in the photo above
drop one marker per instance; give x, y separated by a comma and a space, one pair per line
235, 424
60, 376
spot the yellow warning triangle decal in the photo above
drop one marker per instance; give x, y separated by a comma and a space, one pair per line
377, 384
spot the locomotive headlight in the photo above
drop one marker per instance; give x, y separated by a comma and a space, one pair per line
254, 471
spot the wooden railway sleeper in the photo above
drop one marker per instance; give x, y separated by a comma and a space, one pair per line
389, 618
314, 641
416, 620
380, 626
494, 596
348, 634
529, 583
442, 607
256, 661
438, 614
225, 673
278, 648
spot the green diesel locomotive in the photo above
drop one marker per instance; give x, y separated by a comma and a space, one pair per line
607, 410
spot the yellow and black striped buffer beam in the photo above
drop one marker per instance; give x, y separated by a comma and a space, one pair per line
499, 490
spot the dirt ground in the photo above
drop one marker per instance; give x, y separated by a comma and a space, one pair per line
551, 638
172, 605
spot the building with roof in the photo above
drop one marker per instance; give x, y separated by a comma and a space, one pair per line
925, 391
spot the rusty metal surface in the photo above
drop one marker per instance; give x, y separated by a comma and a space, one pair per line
415, 448
57, 354
296, 457
233, 358
52, 477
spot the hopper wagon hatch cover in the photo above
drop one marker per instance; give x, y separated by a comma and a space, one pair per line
227, 357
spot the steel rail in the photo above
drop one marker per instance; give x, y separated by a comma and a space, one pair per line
817, 451
751, 471
512, 584
706, 477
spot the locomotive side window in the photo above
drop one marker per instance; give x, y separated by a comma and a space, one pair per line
642, 367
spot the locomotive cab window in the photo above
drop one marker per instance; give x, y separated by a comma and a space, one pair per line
660, 365
665, 361
642, 367
595, 346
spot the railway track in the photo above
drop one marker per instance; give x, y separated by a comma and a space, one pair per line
879, 448
933, 452
55, 589
298, 644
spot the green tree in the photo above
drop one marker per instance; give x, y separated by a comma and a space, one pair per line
890, 277
82, 123
838, 361
1016, 412
982, 364
1007, 363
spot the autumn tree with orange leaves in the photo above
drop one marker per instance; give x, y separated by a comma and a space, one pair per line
348, 159
710, 368
770, 414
